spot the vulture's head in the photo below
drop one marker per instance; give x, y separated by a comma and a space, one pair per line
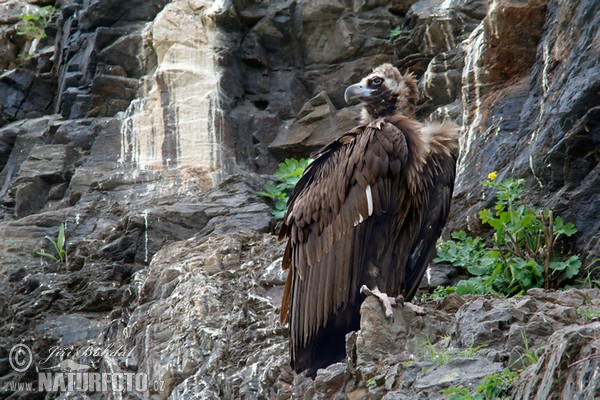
384, 92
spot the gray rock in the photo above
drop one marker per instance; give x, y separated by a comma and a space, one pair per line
30, 196
273, 274
442, 81
77, 134
27, 135
460, 372
13, 86
71, 329
53, 163
380, 337
44, 175
312, 130
565, 367
109, 95
121, 56
214, 328
489, 327
8, 136
108, 12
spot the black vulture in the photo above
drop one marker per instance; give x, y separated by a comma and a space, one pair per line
364, 217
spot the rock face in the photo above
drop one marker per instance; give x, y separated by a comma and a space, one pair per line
563, 368
143, 126
539, 110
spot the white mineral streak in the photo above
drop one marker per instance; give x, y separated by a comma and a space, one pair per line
472, 92
176, 123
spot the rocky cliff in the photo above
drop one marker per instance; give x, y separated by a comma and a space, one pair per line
146, 127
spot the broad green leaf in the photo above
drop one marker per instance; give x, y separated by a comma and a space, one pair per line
288, 173
561, 228
61, 237
278, 214
484, 266
557, 265
528, 220
459, 235
570, 267
573, 267
476, 285
485, 215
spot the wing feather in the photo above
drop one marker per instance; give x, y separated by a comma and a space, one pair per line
441, 173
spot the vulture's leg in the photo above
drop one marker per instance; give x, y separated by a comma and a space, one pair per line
385, 300
389, 302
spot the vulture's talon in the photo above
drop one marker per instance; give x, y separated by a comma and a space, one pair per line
364, 289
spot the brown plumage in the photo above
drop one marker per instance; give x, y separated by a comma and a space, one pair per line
367, 211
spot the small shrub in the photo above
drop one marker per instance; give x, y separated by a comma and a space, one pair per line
440, 293
492, 387
522, 253
59, 246
371, 384
458, 393
437, 357
288, 174
33, 23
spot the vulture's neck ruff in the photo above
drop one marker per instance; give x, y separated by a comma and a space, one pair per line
384, 92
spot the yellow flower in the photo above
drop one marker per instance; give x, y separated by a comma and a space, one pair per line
492, 175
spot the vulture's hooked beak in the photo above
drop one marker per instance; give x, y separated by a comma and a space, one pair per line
357, 92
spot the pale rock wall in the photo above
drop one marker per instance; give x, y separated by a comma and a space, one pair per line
178, 121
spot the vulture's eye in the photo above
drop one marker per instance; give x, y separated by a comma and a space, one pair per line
377, 81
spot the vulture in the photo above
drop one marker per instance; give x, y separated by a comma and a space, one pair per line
364, 217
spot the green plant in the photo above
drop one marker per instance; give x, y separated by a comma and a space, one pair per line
591, 280
529, 356
458, 393
34, 22
522, 253
497, 386
439, 293
492, 387
589, 313
394, 33
463, 251
59, 246
436, 357
443, 356
288, 174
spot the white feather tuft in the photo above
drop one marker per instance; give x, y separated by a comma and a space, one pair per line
369, 199
360, 220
